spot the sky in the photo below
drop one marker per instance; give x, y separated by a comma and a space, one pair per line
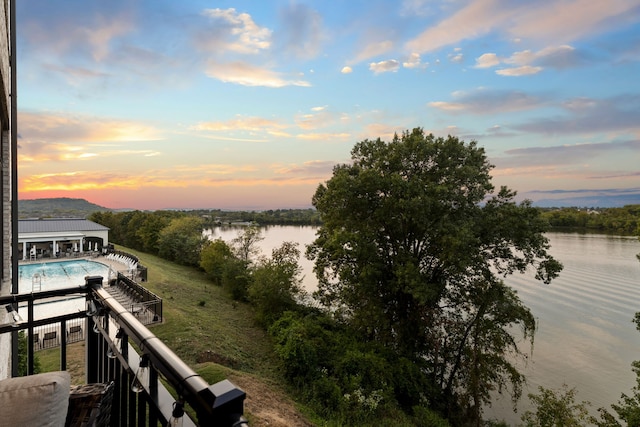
155, 104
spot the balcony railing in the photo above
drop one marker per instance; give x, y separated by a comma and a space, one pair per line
120, 349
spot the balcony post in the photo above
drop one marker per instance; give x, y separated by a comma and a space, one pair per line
92, 340
31, 344
63, 345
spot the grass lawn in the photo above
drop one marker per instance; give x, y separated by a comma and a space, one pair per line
214, 335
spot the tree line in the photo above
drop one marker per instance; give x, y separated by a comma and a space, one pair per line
412, 322
623, 221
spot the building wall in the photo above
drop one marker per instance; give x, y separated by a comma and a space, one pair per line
5, 141
5, 178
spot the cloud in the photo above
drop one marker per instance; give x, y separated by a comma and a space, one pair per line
554, 21
617, 115
525, 70
573, 150
346, 70
322, 168
566, 21
48, 127
390, 65
456, 57
477, 18
487, 60
245, 74
301, 33
373, 49
413, 62
569, 164
415, 7
327, 137
486, 101
317, 120
52, 31
249, 124
233, 31
528, 62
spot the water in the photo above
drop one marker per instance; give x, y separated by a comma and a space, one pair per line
274, 236
57, 275
585, 336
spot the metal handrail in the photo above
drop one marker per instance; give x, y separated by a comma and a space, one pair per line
220, 404
217, 404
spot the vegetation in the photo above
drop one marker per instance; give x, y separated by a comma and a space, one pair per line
412, 323
623, 221
62, 207
22, 356
556, 409
216, 217
412, 320
409, 258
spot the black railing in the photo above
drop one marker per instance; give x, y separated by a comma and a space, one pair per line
121, 351
145, 304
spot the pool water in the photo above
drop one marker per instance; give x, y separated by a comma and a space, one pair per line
56, 275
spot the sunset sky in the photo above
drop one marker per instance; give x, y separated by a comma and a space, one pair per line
249, 104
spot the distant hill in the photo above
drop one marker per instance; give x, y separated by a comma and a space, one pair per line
62, 207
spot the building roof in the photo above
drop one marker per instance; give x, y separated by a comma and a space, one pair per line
53, 225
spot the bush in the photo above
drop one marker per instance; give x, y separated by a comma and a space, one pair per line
425, 417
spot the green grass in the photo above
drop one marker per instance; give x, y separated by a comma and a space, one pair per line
218, 339
221, 330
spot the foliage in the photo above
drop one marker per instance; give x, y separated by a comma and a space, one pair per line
181, 241
625, 220
22, 356
556, 409
269, 217
61, 207
411, 252
136, 229
215, 257
275, 283
628, 408
245, 245
426, 417
336, 373
236, 279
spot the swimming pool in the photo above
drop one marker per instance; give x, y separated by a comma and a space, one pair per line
55, 275
58, 274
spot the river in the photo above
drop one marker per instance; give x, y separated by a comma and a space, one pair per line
585, 338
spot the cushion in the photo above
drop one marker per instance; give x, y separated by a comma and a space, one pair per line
35, 400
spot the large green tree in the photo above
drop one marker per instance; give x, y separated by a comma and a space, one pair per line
276, 283
412, 252
181, 241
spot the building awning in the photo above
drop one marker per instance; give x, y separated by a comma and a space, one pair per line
45, 237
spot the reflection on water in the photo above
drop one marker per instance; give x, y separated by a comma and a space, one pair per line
585, 336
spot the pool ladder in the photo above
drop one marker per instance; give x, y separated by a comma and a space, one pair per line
36, 283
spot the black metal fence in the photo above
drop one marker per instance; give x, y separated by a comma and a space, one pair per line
122, 352
146, 305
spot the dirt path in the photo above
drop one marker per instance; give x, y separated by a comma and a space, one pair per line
268, 406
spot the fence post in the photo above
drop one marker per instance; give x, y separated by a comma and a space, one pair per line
92, 339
